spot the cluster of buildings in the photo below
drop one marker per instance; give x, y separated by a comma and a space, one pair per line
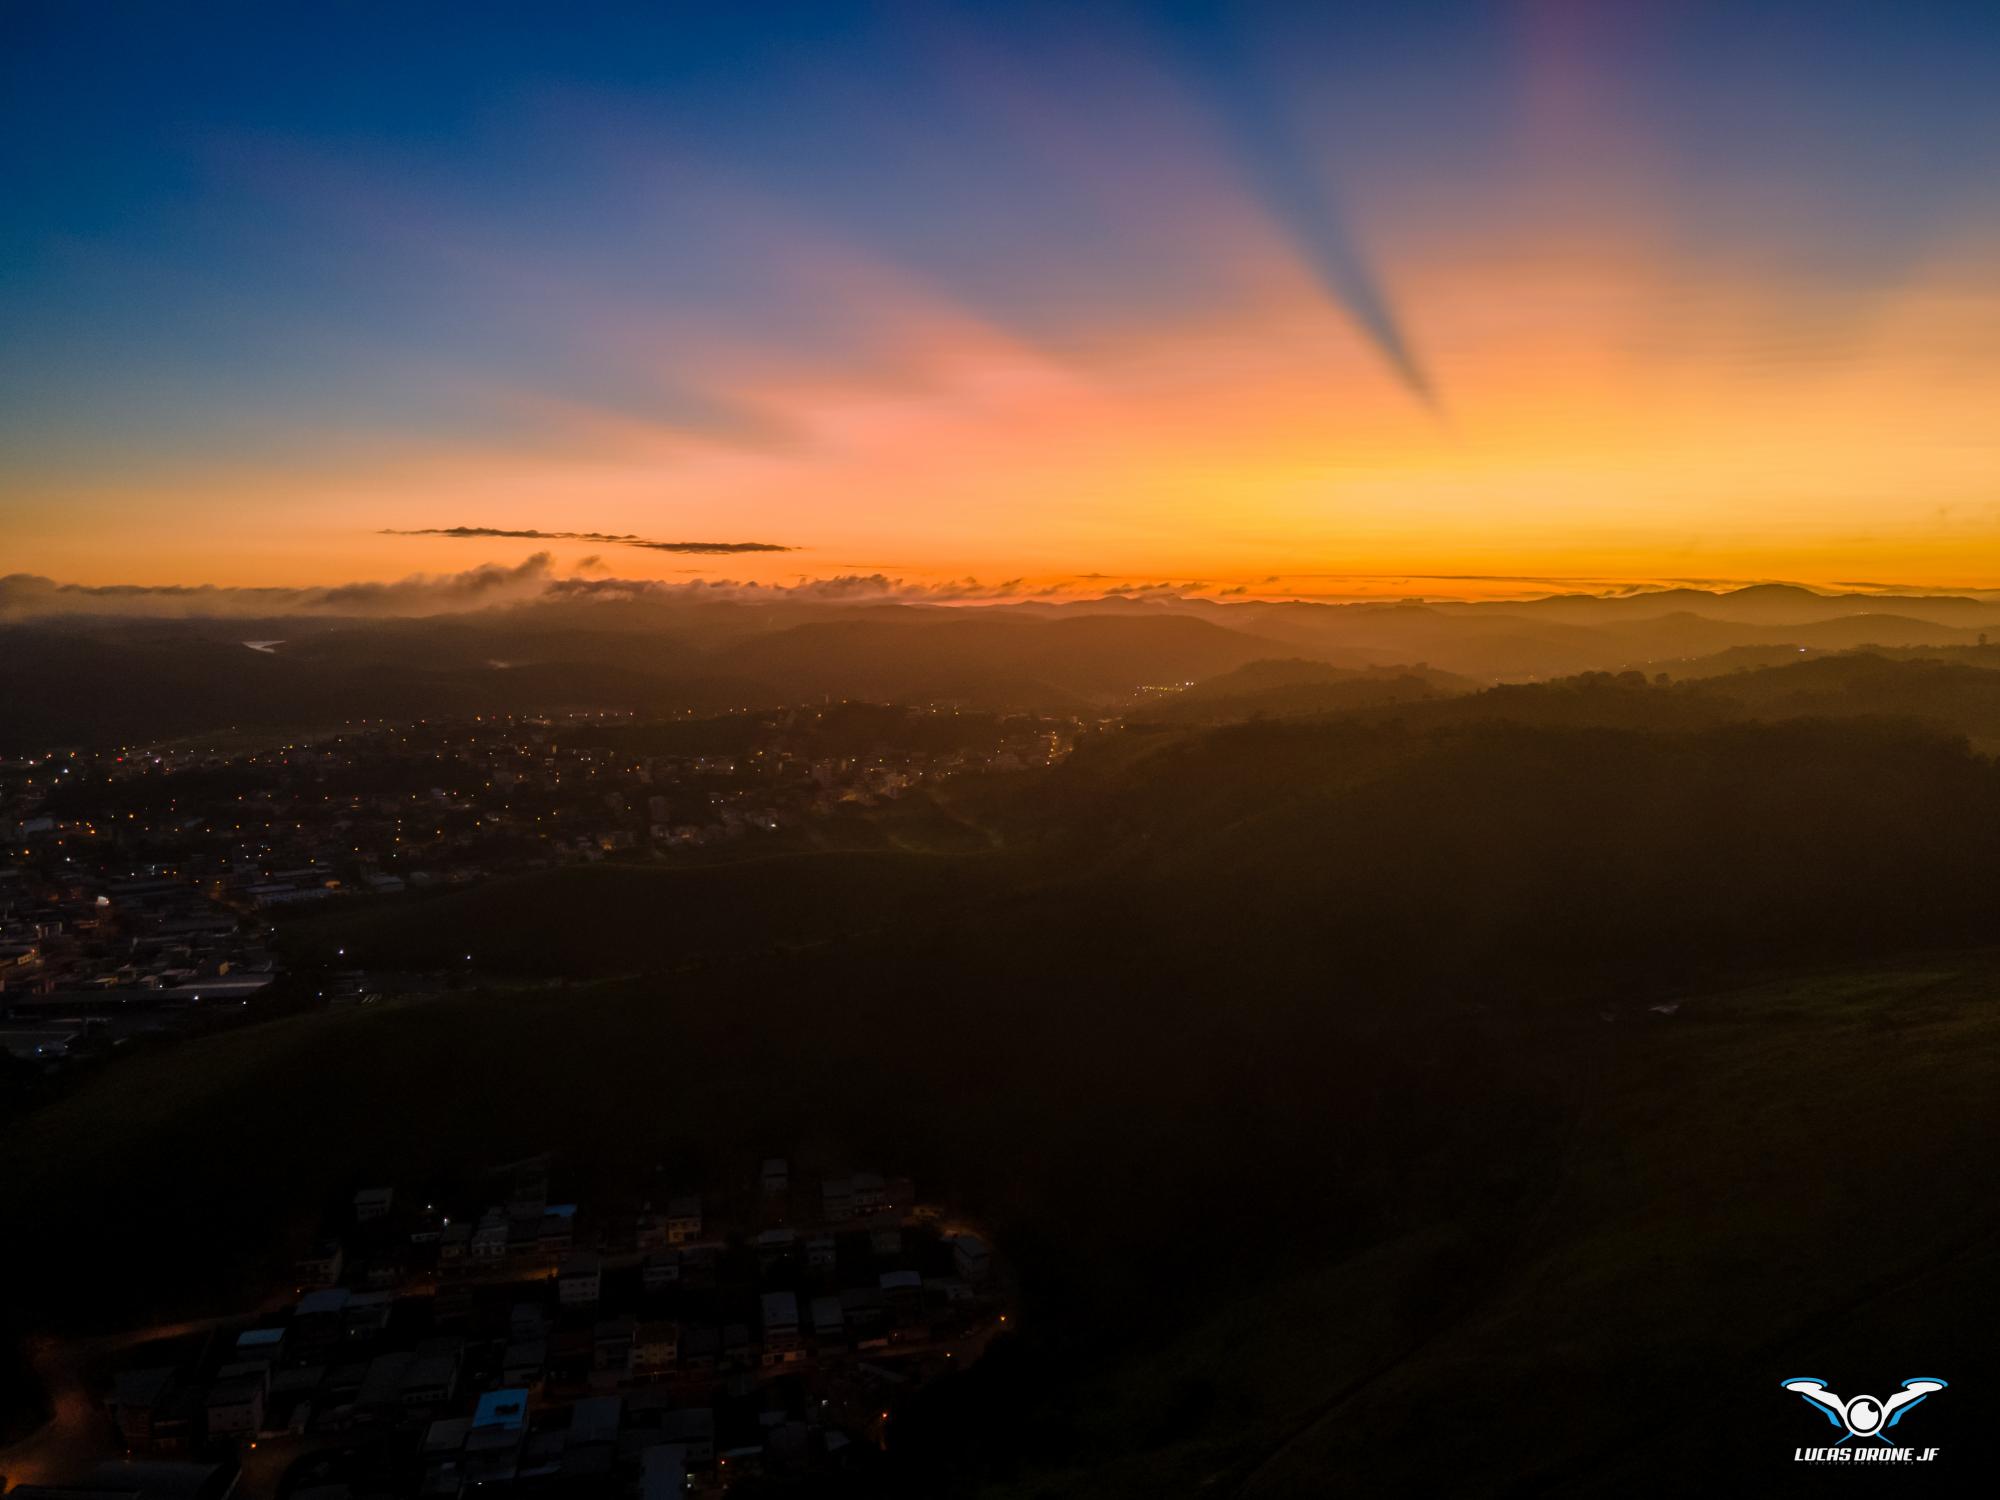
88, 958
522, 1342
378, 808
138, 881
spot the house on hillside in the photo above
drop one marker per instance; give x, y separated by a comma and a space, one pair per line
581, 1280
683, 1218
138, 1399
774, 1245
655, 1346
612, 1340
972, 1258
524, 1362
782, 1345
820, 1254
321, 1267
660, 1272
829, 1324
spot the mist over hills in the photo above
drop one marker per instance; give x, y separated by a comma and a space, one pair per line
79, 679
1756, 604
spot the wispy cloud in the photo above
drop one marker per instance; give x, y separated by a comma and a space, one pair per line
25, 596
621, 539
858, 588
1163, 587
1921, 590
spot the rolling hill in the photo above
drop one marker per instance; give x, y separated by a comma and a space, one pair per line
124, 680
1295, 689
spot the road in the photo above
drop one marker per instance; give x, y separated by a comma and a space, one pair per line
78, 1433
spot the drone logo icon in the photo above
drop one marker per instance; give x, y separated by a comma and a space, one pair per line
1863, 1416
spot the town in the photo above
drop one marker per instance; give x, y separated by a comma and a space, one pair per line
656, 1347
139, 885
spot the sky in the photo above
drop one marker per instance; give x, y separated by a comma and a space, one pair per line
1467, 299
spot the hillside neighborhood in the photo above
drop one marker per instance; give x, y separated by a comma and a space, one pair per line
662, 1346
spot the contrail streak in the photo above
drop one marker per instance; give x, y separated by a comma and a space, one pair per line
1293, 183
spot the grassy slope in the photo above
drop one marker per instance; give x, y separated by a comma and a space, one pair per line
1794, 1178
624, 918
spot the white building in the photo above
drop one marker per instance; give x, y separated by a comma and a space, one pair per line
973, 1258
581, 1280
235, 1406
781, 1329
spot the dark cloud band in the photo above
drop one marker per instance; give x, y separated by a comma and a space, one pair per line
619, 539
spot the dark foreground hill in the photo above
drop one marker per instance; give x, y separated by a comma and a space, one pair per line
1496, 853
626, 919
1447, 1249
1311, 1076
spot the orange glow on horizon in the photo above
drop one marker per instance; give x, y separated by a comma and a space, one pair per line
1609, 414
